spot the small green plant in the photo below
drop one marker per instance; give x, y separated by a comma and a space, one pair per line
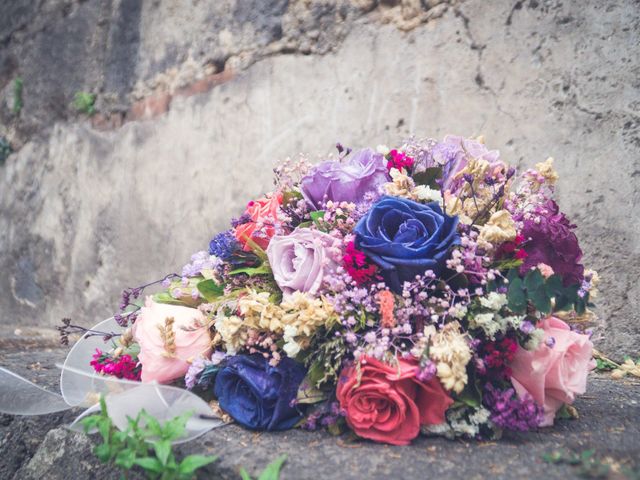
84, 102
271, 472
588, 465
17, 95
145, 444
5, 149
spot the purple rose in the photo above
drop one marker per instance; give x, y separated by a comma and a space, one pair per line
549, 239
300, 260
345, 181
453, 153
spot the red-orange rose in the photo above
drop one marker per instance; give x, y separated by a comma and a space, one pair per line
263, 214
386, 403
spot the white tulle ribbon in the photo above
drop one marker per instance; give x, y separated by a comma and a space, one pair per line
82, 387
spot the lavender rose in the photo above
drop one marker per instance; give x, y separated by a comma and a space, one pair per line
300, 260
345, 181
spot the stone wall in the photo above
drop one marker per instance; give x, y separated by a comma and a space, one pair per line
197, 101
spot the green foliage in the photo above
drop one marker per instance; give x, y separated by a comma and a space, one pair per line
84, 102
429, 177
546, 295
271, 472
5, 149
325, 362
210, 290
263, 269
586, 462
145, 444
290, 198
17, 95
605, 365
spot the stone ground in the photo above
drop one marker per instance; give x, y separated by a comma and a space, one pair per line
205, 98
40, 447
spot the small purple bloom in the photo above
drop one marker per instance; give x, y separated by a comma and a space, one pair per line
510, 412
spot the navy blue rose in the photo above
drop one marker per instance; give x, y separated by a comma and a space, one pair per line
405, 238
257, 395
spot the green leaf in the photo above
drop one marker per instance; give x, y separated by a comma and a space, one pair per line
149, 463
516, 296
290, 196
553, 285
210, 290
272, 472
509, 264
263, 269
244, 475
193, 462
428, 177
90, 422
317, 216
103, 452
163, 450
533, 280
175, 427
104, 427
125, 458
164, 297
540, 299
151, 424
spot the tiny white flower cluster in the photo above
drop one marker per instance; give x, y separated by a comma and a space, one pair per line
460, 424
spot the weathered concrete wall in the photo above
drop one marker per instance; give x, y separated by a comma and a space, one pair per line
196, 105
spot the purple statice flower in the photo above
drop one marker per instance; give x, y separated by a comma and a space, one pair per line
241, 220
527, 327
223, 245
549, 239
510, 412
196, 367
200, 261
427, 372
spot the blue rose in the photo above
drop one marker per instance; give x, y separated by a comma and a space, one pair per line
405, 238
258, 395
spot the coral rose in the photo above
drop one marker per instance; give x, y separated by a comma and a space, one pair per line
169, 337
557, 371
386, 403
263, 215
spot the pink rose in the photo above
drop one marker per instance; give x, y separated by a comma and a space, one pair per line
166, 345
557, 371
263, 214
300, 260
386, 403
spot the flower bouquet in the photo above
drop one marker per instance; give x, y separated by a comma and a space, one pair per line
424, 289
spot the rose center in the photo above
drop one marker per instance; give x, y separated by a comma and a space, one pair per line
410, 231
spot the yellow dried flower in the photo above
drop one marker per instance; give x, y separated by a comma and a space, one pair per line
401, 185
499, 229
546, 170
451, 353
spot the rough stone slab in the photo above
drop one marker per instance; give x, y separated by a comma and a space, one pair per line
608, 424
